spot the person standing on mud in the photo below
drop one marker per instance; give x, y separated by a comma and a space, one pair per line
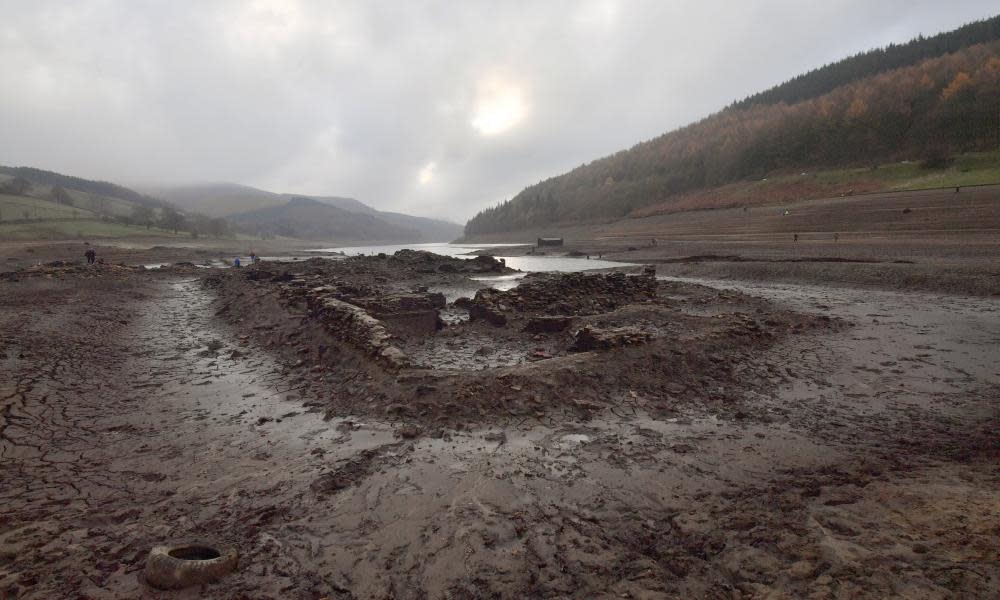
91, 255
236, 262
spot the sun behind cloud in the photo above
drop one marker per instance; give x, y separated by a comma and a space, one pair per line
426, 174
499, 106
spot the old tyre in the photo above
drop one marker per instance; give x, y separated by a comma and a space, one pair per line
183, 565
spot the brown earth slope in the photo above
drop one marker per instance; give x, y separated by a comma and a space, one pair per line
936, 240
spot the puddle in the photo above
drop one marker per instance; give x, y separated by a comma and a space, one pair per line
502, 282
218, 382
453, 316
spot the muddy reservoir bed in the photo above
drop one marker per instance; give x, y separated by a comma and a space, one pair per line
374, 337
631, 457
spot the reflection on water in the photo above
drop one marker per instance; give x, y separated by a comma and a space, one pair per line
501, 282
546, 264
442, 248
533, 264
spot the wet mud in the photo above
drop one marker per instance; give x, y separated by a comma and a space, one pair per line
558, 344
850, 454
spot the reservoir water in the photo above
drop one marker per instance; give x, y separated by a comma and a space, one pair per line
528, 264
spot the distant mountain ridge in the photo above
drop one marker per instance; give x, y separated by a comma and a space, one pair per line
306, 218
35, 196
943, 101
244, 205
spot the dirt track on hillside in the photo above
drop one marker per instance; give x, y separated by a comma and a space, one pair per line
132, 416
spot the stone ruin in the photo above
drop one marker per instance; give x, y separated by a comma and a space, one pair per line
404, 328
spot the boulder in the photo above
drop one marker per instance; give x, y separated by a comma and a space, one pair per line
487, 313
548, 324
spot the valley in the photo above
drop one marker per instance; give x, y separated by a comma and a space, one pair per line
563, 300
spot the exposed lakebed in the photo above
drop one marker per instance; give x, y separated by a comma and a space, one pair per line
738, 451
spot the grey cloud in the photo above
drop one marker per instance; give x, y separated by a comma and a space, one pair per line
356, 98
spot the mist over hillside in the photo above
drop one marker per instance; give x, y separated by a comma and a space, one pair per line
309, 219
45, 204
99, 188
247, 205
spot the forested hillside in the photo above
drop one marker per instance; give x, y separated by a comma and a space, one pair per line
925, 111
865, 64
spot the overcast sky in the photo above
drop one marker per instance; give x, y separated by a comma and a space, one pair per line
433, 108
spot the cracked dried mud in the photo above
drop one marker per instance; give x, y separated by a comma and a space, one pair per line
766, 441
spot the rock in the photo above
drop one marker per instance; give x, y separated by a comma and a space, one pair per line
259, 274
498, 437
593, 338
548, 324
489, 264
802, 569
487, 313
397, 408
409, 431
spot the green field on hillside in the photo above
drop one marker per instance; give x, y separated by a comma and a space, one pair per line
96, 203
15, 208
101, 204
32, 218
781, 188
966, 169
77, 228
87, 205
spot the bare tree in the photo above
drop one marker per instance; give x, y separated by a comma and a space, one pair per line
18, 186
171, 219
143, 215
60, 195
